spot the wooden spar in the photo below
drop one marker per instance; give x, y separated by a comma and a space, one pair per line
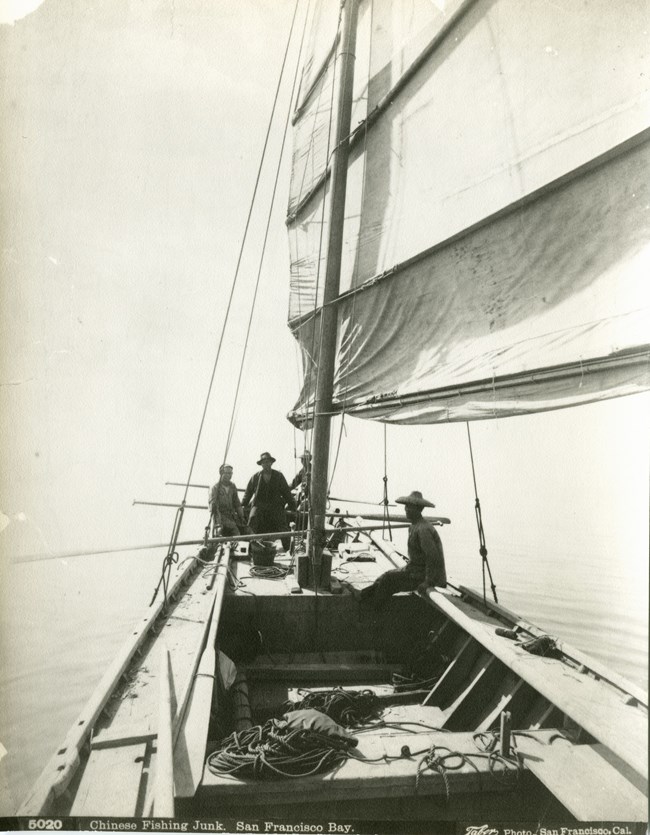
435, 520
358, 501
328, 326
163, 806
199, 486
213, 541
395, 517
172, 504
192, 735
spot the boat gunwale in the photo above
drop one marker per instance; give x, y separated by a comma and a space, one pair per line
62, 766
569, 651
444, 600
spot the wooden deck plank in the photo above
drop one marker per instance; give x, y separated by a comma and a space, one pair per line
323, 672
453, 669
406, 718
484, 663
138, 704
595, 706
539, 713
192, 734
60, 769
575, 654
512, 685
384, 773
111, 782
581, 779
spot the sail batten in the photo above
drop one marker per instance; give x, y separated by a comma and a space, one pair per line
304, 99
396, 270
366, 124
542, 389
496, 216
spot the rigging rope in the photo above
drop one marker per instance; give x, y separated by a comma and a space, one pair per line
485, 565
241, 249
179, 515
385, 480
266, 233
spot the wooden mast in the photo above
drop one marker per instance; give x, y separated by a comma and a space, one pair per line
328, 327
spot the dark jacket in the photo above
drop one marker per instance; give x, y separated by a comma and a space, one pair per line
302, 479
426, 557
271, 495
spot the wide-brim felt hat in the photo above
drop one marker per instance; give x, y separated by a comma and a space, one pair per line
415, 498
266, 456
305, 456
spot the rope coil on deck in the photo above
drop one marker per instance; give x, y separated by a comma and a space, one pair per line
269, 572
349, 708
439, 758
268, 751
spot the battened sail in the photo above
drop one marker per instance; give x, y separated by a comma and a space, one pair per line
496, 238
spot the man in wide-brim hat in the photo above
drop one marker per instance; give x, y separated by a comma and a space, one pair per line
267, 494
426, 565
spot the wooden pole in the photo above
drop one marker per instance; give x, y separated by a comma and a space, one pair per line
213, 541
328, 313
504, 737
191, 733
163, 805
394, 517
173, 504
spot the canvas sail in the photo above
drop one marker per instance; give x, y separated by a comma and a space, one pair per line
496, 248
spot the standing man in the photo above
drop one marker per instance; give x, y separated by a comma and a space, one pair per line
426, 565
301, 481
303, 475
225, 506
266, 494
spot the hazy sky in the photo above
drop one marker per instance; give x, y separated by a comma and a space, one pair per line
131, 147
131, 136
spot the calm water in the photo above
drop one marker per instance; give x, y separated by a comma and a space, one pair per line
64, 621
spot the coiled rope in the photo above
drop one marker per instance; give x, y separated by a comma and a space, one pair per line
269, 572
267, 751
441, 759
348, 708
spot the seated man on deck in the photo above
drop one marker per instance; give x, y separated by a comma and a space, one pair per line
267, 493
226, 509
426, 566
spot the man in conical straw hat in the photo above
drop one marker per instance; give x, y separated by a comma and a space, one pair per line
426, 565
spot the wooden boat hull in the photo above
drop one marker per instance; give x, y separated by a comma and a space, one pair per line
442, 673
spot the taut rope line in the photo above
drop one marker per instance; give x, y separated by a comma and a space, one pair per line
479, 522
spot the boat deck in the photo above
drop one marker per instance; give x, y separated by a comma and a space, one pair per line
444, 678
568, 713
605, 712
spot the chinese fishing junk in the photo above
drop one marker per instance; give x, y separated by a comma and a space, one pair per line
468, 224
